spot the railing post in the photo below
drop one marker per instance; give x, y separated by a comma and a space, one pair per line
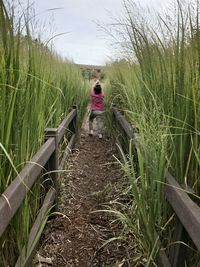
177, 253
53, 163
73, 124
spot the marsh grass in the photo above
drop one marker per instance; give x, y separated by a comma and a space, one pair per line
158, 91
37, 90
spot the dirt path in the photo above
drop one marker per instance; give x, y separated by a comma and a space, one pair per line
76, 237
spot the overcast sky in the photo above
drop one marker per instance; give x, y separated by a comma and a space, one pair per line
84, 42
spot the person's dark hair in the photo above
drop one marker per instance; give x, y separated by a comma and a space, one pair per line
97, 89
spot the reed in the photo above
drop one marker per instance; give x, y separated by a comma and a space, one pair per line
37, 90
158, 90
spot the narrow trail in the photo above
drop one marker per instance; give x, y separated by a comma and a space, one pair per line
75, 237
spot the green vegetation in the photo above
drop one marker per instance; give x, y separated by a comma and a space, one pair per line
37, 90
158, 91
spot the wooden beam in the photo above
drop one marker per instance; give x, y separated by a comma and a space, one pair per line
187, 211
163, 260
124, 123
27, 254
52, 164
65, 123
14, 195
177, 252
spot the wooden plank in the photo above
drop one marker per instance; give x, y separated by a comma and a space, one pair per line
177, 252
124, 123
65, 123
187, 211
50, 132
27, 254
163, 260
67, 151
73, 125
53, 164
13, 196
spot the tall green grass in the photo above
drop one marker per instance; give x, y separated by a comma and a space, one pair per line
37, 90
158, 90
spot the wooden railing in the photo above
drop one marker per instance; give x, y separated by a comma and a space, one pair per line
47, 158
186, 210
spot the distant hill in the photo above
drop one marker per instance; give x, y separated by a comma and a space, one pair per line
90, 67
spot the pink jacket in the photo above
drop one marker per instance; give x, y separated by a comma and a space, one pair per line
97, 101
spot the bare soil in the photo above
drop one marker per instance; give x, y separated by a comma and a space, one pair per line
76, 236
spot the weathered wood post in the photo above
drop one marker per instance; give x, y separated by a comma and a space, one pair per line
53, 163
73, 124
178, 253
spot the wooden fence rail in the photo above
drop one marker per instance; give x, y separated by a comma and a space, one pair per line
12, 198
186, 210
